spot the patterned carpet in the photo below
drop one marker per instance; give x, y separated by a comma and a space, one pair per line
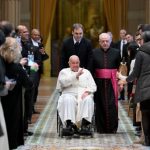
46, 137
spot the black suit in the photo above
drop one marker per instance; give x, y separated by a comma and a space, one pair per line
12, 104
31, 94
124, 51
83, 51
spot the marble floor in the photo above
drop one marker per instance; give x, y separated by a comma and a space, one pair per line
46, 137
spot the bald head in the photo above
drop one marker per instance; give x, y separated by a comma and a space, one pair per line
19, 29
24, 33
73, 58
74, 63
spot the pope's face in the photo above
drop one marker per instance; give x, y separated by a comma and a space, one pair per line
77, 34
74, 65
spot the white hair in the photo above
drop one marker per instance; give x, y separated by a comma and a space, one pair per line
105, 35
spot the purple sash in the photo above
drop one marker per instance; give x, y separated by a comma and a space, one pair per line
109, 74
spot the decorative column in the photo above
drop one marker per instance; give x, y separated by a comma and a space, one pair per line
10, 10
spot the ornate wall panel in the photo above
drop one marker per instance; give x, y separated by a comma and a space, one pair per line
82, 11
10, 10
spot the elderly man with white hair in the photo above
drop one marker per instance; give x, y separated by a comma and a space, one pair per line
75, 105
105, 63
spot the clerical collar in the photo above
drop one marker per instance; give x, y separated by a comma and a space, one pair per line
105, 50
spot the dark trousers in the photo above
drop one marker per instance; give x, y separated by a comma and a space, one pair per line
27, 107
146, 122
29, 96
122, 95
35, 78
129, 89
146, 126
145, 109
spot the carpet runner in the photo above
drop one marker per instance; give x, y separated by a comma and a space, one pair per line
46, 137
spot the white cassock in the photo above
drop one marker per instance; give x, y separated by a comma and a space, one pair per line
70, 105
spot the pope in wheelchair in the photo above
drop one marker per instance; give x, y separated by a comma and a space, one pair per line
75, 104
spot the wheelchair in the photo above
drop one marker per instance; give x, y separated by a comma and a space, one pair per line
62, 133
61, 129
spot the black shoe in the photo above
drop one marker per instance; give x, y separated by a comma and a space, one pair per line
121, 98
85, 127
138, 128
147, 141
36, 112
67, 131
85, 130
29, 121
28, 133
75, 129
138, 134
85, 123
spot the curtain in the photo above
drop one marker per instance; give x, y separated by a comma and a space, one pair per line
42, 14
116, 16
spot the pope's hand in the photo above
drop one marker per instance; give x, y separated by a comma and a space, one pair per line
85, 94
79, 73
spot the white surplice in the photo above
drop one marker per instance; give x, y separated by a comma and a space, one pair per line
70, 105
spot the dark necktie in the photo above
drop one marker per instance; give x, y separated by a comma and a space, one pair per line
76, 45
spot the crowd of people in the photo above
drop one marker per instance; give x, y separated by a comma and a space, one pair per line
87, 81
21, 63
104, 65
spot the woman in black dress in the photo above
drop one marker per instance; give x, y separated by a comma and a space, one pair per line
13, 103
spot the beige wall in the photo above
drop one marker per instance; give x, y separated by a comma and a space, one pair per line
25, 12
10, 10
148, 11
18, 12
15, 11
136, 14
